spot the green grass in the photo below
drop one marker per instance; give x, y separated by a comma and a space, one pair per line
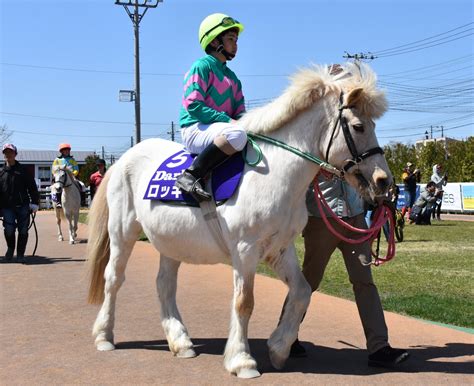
431, 276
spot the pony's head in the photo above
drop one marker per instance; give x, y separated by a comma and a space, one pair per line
332, 116
351, 142
62, 178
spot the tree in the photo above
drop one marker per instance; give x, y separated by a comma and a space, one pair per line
89, 168
460, 164
457, 159
5, 134
397, 155
429, 155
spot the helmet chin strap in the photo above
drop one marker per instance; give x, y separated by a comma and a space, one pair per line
220, 49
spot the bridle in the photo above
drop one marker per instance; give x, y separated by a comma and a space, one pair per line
62, 179
356, 157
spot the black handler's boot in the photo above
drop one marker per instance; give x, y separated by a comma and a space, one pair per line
10, 239
190, 180
21, 247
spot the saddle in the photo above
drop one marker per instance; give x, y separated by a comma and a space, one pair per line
224, 179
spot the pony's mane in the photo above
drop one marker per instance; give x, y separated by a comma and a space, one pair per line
308, 86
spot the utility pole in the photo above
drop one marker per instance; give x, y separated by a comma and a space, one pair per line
103, 153
136, 9
437, 127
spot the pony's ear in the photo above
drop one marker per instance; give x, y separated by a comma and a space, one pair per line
354, 97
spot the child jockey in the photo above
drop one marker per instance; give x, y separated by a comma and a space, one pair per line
212, 102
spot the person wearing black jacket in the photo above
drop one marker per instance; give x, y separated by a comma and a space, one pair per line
18, 197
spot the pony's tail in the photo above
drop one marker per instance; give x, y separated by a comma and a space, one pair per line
98, 245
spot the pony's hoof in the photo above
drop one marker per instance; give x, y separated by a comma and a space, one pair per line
247, 373
71, 242
188, 353
60, 239
105, 346
277, 360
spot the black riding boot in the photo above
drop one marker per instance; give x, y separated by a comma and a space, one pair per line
59, 198
190, 180
21, 247
10, 239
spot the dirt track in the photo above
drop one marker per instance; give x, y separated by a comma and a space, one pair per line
46, 325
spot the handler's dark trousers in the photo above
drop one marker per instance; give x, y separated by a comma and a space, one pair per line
320, 243
16, 218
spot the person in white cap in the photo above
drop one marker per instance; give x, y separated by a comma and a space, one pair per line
18, 197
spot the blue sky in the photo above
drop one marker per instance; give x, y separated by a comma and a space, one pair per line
63, 63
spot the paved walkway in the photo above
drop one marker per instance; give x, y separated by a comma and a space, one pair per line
46, 329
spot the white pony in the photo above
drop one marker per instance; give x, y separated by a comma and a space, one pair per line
65, 182
260, 223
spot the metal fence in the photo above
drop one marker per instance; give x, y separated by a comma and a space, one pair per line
47, 203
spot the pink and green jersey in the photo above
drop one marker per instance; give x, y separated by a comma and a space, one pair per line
212, 93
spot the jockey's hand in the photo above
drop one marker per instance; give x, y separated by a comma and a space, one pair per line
234, 122
34, 208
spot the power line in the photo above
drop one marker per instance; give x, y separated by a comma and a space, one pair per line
81, 120
422, 40
181, 74
421, 134
70, 135
422, 48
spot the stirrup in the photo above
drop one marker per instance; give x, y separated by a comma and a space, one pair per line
191, 185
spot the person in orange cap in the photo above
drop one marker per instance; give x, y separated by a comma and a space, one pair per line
65, 158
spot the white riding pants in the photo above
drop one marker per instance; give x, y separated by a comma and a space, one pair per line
198, 136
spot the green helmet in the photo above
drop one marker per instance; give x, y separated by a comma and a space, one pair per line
215, 24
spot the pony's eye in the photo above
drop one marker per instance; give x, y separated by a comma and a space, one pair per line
359, 127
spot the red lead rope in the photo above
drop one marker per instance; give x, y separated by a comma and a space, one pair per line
381, 216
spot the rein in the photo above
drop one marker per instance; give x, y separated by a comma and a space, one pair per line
382, 215
308, 156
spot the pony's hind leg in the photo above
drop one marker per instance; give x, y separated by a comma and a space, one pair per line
176, 333
299, 294
121, 245
237, 357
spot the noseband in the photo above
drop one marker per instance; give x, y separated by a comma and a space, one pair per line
356, 157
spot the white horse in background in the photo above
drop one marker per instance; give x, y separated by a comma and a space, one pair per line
66, 183
260, 223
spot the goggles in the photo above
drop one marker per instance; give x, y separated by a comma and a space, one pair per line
225, 22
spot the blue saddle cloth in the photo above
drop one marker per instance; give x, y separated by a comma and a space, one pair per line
225, 179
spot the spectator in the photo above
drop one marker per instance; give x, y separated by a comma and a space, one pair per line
421, 212
410, 178
96, 178
440, 182
392, 198
18, 196
320, 243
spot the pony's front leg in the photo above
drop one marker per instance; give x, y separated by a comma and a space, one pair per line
299, 295
58, 223
237, 357
176, 333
